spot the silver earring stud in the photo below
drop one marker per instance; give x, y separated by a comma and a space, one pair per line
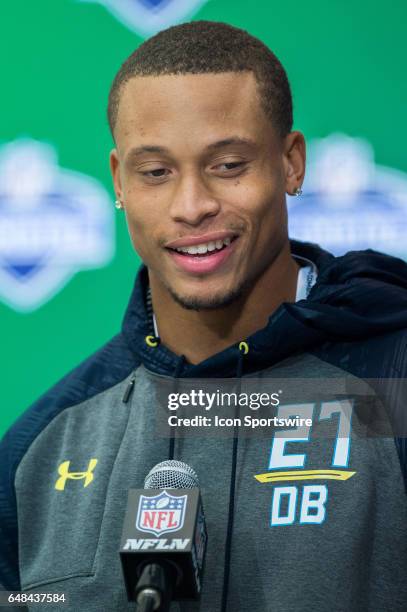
297, 191
118, 204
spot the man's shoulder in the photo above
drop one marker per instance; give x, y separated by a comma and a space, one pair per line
386, 353
377, 356
105, 368
395, 350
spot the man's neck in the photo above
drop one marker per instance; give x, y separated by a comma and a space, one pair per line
200, 334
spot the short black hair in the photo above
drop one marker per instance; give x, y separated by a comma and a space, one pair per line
201, 47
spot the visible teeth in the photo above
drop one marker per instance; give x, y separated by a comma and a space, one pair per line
201, 249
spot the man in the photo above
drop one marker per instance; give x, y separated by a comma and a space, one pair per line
201, 117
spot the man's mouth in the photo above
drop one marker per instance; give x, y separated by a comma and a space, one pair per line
202, 255
205, 248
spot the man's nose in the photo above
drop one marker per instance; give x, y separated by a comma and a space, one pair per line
192, 201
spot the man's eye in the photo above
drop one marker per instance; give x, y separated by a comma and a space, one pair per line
229, 167
158, 173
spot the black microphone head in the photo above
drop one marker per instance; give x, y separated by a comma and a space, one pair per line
171, 474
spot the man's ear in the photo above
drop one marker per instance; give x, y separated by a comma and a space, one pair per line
294, 161
115, 170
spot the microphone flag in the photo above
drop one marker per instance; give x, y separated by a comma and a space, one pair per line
165, 527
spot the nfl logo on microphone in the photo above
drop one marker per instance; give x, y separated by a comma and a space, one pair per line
161, 513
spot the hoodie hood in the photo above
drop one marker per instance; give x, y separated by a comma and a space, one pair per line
356, 296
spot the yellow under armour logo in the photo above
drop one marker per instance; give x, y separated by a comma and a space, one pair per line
64, 474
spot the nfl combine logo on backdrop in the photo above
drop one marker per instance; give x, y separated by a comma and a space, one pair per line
147, 17
161, 513
349, 202
53, 223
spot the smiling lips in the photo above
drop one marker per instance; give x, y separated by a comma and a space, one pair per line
202, 254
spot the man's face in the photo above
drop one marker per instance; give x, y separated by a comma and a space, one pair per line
202, 174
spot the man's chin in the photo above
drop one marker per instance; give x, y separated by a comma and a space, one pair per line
207, 302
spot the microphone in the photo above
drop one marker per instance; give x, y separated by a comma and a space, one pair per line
157, 569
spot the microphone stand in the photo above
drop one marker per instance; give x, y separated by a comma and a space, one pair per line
148, 600
153, 590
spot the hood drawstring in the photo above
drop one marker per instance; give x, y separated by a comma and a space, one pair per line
177, 372
152, 342
243, 350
